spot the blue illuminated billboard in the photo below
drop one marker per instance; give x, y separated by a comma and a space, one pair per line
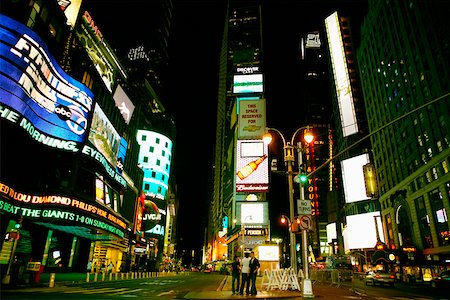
37, 94
155, 156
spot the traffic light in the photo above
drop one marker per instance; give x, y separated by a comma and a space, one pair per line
295, 225
303, 177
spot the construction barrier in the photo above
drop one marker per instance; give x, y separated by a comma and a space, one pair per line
282, 279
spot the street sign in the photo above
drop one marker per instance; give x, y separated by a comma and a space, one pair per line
304, 207
305, 222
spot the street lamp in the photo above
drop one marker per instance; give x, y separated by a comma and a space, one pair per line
289, 161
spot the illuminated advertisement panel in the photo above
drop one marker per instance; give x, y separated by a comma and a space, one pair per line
251, 83
71, 9
360, 232
60, 209
252, 213
154, 218
269, 253
252, 167
104, 136
36, 94
124, 104
101, 54
341, 77
312, 40
353, 178
252, 118
155, 156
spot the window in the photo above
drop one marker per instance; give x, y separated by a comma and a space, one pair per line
158, 162
158, 140
145, 159
147, 186
152, 149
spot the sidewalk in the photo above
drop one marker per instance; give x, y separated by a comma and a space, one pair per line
320, 290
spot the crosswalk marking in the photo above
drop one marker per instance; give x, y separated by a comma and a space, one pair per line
127, 291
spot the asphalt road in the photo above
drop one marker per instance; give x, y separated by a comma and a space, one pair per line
170, 287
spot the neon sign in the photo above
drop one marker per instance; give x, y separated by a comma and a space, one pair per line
60, 207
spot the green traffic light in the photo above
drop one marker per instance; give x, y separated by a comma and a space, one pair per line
303, 178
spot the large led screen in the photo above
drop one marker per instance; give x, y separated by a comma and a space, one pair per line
36, 94
353, 178
252, 167
252, 213
360, 232
104, 136
155, 156
251, 83
341, 77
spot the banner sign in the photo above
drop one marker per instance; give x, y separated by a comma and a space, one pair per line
60, 208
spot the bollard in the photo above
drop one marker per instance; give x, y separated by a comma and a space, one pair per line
95, 277
52, 280
103, 276
87, 277
110, 276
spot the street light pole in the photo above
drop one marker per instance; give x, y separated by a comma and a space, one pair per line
292, 239
289, 160
306, 282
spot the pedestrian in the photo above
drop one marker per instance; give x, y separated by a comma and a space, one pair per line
235, 275
254, 268
110, 267
89, 266
245, 269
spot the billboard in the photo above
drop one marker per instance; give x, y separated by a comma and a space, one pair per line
360, 232
155, 156
104, 136
101, 54
341, 77
71, 9
252, 166
252, 213
36, 94
123, 103
252, 118
353, 178
62, 210
249, 83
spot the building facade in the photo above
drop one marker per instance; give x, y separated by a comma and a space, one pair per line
402, 59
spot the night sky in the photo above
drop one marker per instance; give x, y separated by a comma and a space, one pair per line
194, 50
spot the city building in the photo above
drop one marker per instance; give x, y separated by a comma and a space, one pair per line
232, 227
403, 61
352, 215
68, 175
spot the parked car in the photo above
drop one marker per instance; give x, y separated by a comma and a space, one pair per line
380, 277
443, 280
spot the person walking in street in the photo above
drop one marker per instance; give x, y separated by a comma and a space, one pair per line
110, 267
254, 268
235, 275
89, 266
245, 268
